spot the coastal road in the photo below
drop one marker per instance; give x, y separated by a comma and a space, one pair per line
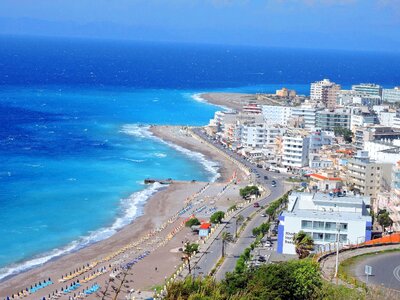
213, 254
385, 269
234, 250
264, 178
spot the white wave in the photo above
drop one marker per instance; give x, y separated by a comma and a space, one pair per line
198, 98
143, 132
160, 155
131, 209
133, 160
137, 130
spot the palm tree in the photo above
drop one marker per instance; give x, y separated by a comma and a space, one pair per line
304, 244
239, 219
188, 251
226, 237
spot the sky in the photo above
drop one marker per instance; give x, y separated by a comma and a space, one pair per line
330, 24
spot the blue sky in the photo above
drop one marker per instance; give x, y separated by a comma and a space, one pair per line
335, 24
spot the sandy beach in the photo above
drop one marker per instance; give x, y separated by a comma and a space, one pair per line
230, 100
237, 100
158, 233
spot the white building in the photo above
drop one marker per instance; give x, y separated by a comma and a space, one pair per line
323, 217
391, 95
320, 138
276, 114
386, 118
348, 97
325, 91
361, 116
295, 151
306, 113
259, 135
383, 152
371, 89
329, 119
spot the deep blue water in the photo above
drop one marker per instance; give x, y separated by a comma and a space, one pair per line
73, 153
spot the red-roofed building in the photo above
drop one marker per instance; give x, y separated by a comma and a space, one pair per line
204, 229
323, 182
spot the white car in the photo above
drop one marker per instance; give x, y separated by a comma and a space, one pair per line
268, 244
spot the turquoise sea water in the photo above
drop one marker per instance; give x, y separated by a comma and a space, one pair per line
73, 174
74, 149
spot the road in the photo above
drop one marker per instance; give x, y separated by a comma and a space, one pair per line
385, 269
213, 254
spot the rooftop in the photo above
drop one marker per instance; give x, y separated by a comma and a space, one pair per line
322, 177
328, 206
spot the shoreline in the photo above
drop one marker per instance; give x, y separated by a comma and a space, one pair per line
156, 211
232, 101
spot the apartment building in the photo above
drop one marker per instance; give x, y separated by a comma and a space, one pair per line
349, 97
364, 175
360, 117
374, 132
276, 114
295, 151
259, 135
325, 92
391, 95
305, 114
370, 89
328, 120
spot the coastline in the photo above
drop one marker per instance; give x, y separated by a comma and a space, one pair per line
233, 101
156, 211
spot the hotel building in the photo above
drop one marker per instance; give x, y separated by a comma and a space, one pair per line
324, 217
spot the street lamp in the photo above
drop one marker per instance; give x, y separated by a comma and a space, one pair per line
337, 251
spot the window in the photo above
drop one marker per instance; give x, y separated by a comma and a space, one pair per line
330, 226
343, 238
330, 237
343, 226
306, 224
318, 236
318, 225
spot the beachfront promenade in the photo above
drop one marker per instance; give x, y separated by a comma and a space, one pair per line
207, 261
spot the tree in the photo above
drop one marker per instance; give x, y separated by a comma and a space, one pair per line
217, 217
226, 237
189, 249
192, 222
383, 218
239, 219
344, 132
304, 244
248, 191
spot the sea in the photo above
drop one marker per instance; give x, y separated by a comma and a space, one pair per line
74, 117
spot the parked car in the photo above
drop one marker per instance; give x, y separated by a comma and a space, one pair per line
262, 259
265, 177
256, 204
267, 244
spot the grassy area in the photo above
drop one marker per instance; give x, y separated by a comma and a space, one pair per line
345, 267
156, 288
217, 266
